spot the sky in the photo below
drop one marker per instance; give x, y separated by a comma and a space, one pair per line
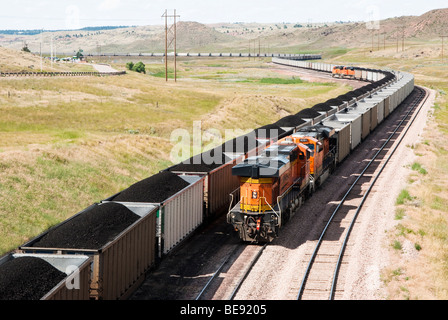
63, 14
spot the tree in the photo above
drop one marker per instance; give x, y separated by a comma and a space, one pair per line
130, 65
26, 49
139, 67
79, 55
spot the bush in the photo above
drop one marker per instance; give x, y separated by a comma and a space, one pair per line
130, 65
139, 67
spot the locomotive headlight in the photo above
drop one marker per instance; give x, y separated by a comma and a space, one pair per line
254, 194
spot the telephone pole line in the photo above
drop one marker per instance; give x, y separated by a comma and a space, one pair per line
442, 45
173, 31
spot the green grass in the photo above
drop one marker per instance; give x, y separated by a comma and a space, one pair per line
280, 81
399, 213
272, 81
403, 197
418, 167
397, 245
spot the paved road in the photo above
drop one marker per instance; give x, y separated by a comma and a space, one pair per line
103, 68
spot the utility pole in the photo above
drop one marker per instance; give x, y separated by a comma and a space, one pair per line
442, 45
173, 31
378, 41
41, 40
51, 51
397, 40
402, 40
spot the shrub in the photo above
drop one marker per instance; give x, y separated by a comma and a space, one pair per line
130, 65
139, 67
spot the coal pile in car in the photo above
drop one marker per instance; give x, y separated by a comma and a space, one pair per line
91, 229
269, 131
241, 144
204, 162
28, 278
308, 113
324, 107
154, 189
290, 121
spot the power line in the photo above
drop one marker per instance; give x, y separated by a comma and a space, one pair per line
173, 32
442, 45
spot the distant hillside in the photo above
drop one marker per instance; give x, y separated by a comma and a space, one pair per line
425, 27
236, 37
39, 31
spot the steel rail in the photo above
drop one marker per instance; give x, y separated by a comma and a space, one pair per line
311, 261
217, 272
247, 271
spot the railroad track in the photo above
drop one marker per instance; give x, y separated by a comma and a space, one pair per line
242, 259
320, 280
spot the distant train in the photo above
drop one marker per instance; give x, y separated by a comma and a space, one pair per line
343, 72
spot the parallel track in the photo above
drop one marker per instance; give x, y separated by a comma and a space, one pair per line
236, 279
316, 281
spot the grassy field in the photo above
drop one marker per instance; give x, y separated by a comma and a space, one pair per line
66, 143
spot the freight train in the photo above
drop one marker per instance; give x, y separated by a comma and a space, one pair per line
276, 182
258, 180
343, 72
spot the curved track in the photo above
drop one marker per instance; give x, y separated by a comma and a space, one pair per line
319, 282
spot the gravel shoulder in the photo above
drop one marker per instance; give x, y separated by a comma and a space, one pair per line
370, 245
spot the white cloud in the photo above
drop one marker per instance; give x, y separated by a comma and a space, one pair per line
107, 5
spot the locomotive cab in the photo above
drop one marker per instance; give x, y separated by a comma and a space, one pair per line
271, 188
336, 71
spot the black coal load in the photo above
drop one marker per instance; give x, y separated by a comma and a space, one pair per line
241, 144
361, 90
269, 131
293, 120
90, 229
344, 97
368, 87
202, 163
28, 278
308, 113
323, 107
335, 102
154, 189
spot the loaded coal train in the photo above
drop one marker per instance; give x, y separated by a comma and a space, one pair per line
258, 180
274, 184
